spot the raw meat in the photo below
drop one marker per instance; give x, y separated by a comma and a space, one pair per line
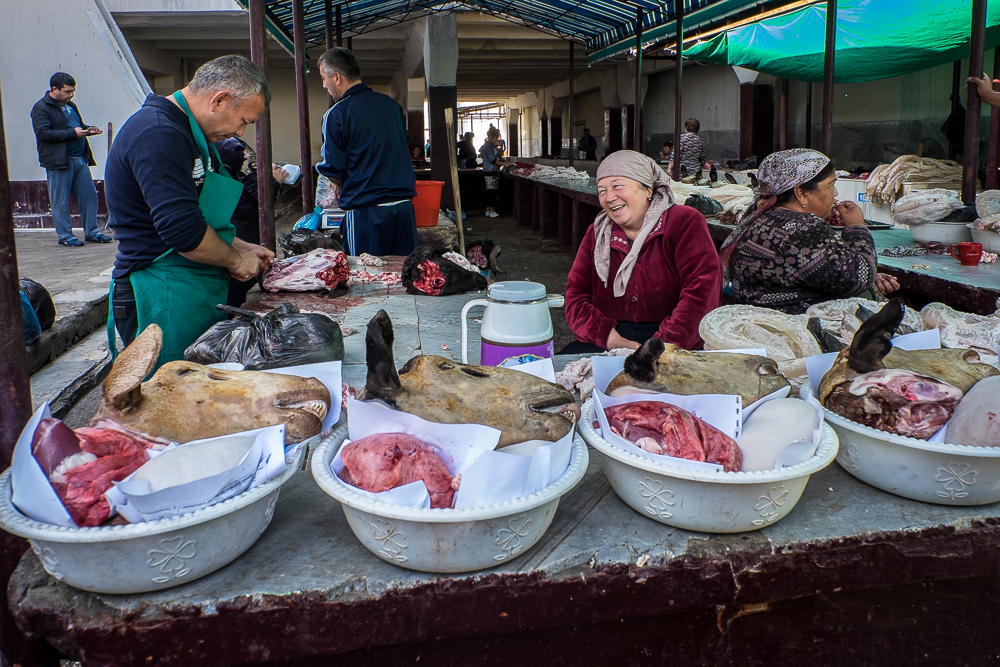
976, 420
319, 269
661, 428
430, 280
384, 461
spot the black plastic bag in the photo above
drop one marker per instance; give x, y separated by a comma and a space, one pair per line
300, 241
41, 302
704, 205
283, 337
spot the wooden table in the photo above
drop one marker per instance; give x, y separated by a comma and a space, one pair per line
852, 575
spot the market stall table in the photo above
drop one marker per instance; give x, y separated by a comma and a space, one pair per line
852, 574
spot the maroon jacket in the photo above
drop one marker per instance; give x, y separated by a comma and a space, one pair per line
676, 281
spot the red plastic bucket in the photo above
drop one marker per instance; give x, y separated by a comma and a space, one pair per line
427, 203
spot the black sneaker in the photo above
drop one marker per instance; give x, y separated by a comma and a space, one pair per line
100, 238
72, 242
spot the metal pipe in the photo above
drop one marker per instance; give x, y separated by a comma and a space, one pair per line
809, 115
328, 24
262, 132
829, 60
637, 135
340, 26
783, 117
970, 156
678, 70
350, 43
572, 132
302, 93
956, 99
993, 147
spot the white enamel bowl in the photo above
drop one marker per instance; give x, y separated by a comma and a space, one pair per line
941, 232
153, 555
730, 502
447, 540
932, 472
989, 238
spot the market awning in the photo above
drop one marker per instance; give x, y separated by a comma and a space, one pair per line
876, 39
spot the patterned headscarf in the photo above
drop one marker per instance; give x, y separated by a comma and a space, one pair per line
646, 172
778, 172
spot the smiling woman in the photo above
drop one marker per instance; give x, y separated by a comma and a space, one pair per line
646, 268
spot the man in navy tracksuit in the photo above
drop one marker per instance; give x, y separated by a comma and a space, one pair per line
366, 157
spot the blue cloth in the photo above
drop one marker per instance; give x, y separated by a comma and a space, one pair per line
77, 147
365, 146
152, 181
32, 328
380, 230
489, 154
75, 180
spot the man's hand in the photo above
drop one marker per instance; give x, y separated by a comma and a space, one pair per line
885, 283
850, 214
264, 256
616, 340
245, 265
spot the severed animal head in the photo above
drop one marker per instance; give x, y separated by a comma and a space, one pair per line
426, 271
485, 254
911, 393
657, 367
440, 390
184, 401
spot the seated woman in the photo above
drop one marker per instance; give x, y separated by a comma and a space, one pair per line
785, 255
647, 267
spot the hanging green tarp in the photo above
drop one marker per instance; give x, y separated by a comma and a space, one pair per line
876, 39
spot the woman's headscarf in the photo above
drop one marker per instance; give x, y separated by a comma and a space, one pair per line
644, 170
778, 172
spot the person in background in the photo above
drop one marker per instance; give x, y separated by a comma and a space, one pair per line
427, 150
492, 164
64, 153
467, 152
365, 154
784, 254
691, 147
666, 152
417, 158
646, 268
588, 145
171, 204
241, 162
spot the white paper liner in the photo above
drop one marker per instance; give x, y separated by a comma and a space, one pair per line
488, 477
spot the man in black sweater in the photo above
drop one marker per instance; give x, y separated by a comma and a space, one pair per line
63, 151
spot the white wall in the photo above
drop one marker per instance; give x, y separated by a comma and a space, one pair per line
42, 37
531, 140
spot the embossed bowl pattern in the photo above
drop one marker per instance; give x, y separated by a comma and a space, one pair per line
732, 502
447, 540
153, 555
932, 472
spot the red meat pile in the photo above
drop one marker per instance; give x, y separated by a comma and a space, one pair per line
318, 269
431, 280
82, 488
384, 461
660, 428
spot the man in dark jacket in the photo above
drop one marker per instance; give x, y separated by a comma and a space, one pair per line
467, 152
63, 151
365, 156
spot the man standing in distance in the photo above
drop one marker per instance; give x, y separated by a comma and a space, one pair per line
64, 153
365, 156
171, 201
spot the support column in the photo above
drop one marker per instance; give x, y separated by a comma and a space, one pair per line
970, 156
628, 127
809, 115
302, 93
262, 132
637, 128
993, 145
415, 111
756, 114
328, 30
543, 134
956, 99
513, 136
340, 26
555, 136
612, 130
826, 135
440, 69
572, 138
783, 117
678, 72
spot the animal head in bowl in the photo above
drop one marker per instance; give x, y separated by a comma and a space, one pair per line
522, 406
184, 401
909, 392
659, 368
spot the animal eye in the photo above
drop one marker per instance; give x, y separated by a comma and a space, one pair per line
475, 373
446, 366
185, 371
767, 368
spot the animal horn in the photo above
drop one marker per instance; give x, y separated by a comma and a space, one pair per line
641, 364
873, 339
494, 261
382, 376
123, 386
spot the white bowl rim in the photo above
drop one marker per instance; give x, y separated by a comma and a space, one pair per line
323, 474
972, 226
14, 522
906, 441
826, 452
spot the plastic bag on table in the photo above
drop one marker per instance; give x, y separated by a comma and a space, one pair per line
310, 220
41, 302
283, 337
32, 329
326, 196
301, 241
704, 205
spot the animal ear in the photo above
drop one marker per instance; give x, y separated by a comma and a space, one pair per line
873, 339
641, 364
123, 386
382, 377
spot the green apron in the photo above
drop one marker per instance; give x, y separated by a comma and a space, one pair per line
174, 292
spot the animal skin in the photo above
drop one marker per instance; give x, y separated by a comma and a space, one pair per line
659, 368
184, 401
440, 390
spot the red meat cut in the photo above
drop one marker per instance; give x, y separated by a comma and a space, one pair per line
384, 461
661, 428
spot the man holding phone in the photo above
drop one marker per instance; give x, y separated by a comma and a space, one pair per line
64, 153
